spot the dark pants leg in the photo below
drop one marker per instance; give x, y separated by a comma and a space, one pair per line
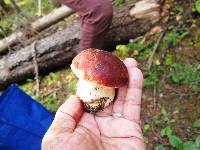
96, 17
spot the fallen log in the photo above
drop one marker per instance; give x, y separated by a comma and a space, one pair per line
37, 25
58, 49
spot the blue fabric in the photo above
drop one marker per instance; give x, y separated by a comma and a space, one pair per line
23, 121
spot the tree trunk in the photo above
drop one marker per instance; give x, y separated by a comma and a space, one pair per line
58, 49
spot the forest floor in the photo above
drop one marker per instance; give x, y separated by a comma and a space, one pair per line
171, 93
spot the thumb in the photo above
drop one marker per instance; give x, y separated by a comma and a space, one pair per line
67, 116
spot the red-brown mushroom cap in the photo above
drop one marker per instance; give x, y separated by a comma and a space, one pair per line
100, 67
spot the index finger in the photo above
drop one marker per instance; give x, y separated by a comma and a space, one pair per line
132, 105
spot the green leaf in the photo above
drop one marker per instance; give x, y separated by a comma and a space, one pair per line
197, 141
164, 112
168, 59
183, 35
166, 131
175, 142
122, 47
171, 39
136, 46
172, 121
146, 128
118, 2
160, 147
146, 141
197, 6
189, 145
175, 78
196, 124
176, 66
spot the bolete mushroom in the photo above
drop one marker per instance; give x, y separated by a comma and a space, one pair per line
99, 73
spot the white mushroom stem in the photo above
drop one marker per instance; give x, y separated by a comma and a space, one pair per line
90, 92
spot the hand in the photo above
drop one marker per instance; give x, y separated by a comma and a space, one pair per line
73, 129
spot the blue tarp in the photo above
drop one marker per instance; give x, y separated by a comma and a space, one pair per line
23, 121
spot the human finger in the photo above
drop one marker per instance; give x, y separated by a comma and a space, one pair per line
121, 93
67, 116
132, 102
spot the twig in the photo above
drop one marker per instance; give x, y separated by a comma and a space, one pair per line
51, 91
149, 62
36, 69
154, 96
136, 39
158, 136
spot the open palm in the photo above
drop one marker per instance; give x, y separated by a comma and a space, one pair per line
74, 129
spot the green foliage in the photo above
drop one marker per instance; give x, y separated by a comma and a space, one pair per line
51, 102
175, 142
146, 128
160, 147
196, 37
50, 84
166, 131
189, 145
71, 83
6, 25
28, 7
28, 87
121, 51
132, 48
152, 77
196, 124
171, 39
164, 120
146, 140
118, 2
197, 142
136, 47
164, 112
196, 7
188, 75
168, 59
31, 8
177, 9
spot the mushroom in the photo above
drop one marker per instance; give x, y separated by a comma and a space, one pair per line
99, 73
